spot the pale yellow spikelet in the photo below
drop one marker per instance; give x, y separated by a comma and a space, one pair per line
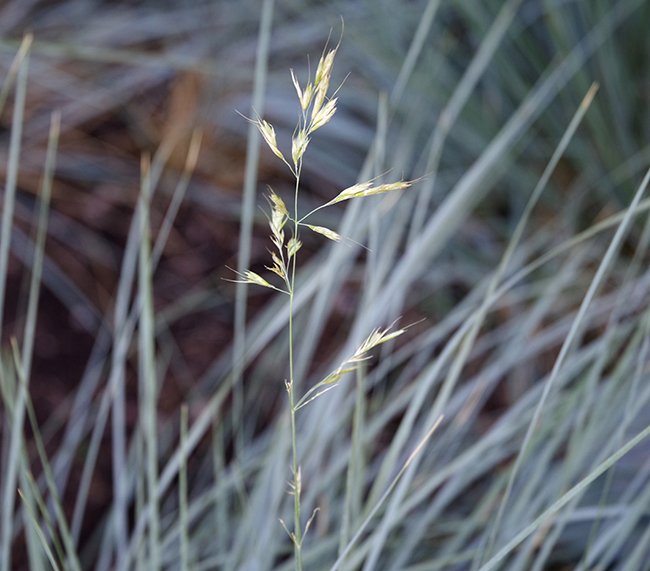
268, 133
307, 96
364, 189
277, 237
303, 96
319, 99
398, 185
277, 260
278, 267
336, 376
249, 277
324, 69
277, 203
296, 85
293, 246
254, 278
325, 232
322, 80
323, 115
279, 217
278, 271
376, 337
351, 192
299, 146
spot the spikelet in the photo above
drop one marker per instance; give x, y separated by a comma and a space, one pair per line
268, 134
277, 203
279, 217
376, 337
322, 80
293, 246
304, 97
323, 115
351, 364
324, 69
364, 189
298, 146
325, 232
249, 277
278, 268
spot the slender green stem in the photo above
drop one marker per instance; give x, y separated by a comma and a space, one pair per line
313, 211
297, 527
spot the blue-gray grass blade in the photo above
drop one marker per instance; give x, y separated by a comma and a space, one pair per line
473, 184
414, 51
148, 384
588, 417
33, 519
455, 104
32, 310
39, 249
568, 343
68, 554
10, 478
12, 391
91, 377
183, 497
13, 161
468, 339
418, 448
123, 325
23, 49
248, 207
354, 478
496, 559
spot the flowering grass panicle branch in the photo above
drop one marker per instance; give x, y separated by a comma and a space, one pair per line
317, 108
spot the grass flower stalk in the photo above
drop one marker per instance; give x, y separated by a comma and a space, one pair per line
317, 108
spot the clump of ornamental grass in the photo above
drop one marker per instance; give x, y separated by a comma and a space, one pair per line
317, 107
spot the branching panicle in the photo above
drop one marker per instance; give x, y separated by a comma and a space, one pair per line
317, 108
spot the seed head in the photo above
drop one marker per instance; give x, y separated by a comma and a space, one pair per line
268, 133
325, 232
323, 115
299, 146
303, 96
